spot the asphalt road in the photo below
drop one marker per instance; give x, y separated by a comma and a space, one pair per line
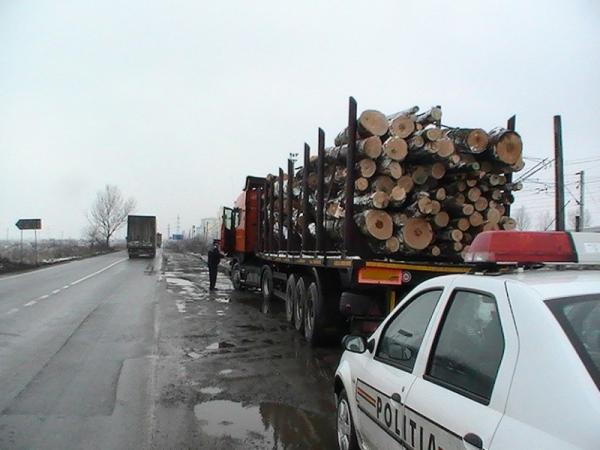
112, 353
77, 351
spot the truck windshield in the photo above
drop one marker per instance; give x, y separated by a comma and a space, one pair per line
580, 319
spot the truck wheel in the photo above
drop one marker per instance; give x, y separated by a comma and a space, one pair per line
290, 298
236, 277
267, 290
301, 286
314, 315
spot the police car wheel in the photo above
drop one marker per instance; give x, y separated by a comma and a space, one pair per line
290, 298
345, 427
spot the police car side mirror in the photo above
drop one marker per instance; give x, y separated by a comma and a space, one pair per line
355, 344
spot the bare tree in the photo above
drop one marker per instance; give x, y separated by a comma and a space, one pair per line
523, 219
109, 212
545, 221
92, 236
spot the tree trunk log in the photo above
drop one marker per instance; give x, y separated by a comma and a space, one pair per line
395, 148
433, 116
469, 140
377, 200
389, 167
383, 183
417, 233
401, 126
406, 182
505, 146
366, 168
375, 223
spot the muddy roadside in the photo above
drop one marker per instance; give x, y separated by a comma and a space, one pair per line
229, 377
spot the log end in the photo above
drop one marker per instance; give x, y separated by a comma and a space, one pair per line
402, 126
417, 233
373, 123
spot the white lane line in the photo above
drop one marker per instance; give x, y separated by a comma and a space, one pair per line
56, 291
98, 272
57, 266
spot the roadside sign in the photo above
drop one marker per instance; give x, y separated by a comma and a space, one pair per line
29, 224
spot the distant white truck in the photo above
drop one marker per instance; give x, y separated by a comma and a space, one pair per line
141, 236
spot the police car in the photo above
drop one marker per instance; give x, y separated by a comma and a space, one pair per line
508, 358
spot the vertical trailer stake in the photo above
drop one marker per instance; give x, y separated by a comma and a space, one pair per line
511, 124
305, 197
349, 187
271, 215
320, 190
289, 205
280, 208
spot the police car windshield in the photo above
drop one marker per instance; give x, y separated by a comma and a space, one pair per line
580, 319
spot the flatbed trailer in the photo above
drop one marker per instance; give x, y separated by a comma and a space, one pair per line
324, 288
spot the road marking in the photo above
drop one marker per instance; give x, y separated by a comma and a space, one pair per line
98, 272
56, 291
57, 266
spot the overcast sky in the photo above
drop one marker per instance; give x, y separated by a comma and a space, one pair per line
176, 102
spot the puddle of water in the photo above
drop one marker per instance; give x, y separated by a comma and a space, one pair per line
180, 306
225, 372
222, 300
251, 327
218, 345
274, 425
211, 390
179, 281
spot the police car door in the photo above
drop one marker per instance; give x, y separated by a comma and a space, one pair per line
385, 379
459, 397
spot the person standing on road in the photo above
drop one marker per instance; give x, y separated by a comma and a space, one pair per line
214, 258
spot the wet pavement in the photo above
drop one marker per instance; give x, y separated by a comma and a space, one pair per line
229, 377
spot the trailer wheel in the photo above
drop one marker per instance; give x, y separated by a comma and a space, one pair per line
236, 277
314, 315
301, 289
267, 289
290, 298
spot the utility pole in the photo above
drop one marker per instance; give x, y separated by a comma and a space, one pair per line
581, 221
559, 198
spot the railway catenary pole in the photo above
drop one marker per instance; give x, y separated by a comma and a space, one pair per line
559, 197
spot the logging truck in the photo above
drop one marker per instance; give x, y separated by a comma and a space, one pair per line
419, 194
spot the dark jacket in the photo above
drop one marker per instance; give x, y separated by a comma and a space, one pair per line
214, 257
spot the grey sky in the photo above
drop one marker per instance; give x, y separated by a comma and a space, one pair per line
175, 102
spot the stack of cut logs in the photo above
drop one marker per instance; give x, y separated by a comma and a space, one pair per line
421, 188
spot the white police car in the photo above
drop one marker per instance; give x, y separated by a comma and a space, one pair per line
509, 360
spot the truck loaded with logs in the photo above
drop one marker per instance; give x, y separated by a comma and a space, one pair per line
396, 200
